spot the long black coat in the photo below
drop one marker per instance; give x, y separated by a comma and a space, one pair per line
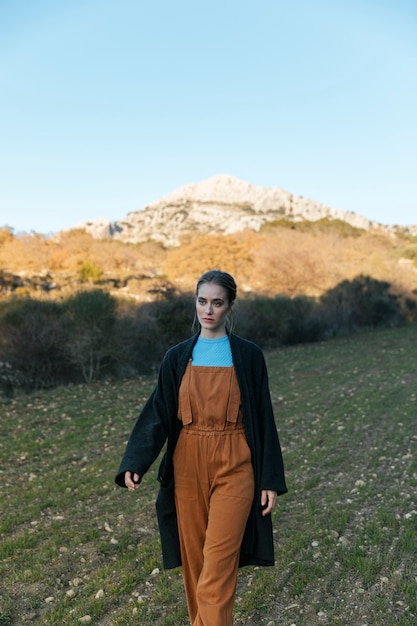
158, 422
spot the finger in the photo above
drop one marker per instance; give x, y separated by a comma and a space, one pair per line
131, 481
270, 499
267, 510
128, 480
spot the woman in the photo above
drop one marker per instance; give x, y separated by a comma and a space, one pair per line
223, 468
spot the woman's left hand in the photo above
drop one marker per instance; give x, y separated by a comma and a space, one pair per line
268, 499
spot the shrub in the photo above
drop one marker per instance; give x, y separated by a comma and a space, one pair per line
304, 323
173, 314
360, 303
90, 319
90, 272
409, 308
32, 343
145, 332
279, 321
45, 343
264, 320
140, 349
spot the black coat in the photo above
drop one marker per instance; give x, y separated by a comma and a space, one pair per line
158, 422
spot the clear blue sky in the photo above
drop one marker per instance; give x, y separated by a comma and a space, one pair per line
108, 105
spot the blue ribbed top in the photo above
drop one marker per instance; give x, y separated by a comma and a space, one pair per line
212, 352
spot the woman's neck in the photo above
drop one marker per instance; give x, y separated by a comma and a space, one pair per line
217, 334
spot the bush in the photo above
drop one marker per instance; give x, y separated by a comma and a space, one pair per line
265, 321
90, 320
360, 303
352, 305
32, 343
304, 323
43, 343
147, 332
90, 272
140, 349
409, 308
279, 321
174, 315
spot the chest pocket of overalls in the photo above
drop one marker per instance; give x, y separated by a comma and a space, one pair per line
209, 394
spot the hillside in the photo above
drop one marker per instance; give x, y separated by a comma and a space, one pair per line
305, 258
76, 549
273, 242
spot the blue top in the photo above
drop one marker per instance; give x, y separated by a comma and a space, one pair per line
212, 352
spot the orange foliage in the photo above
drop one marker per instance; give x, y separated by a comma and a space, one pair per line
277, 260
67, 251
231, 253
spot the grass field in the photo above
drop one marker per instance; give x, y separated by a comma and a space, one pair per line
76, 549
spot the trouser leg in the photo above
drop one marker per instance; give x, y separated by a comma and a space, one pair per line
216, 587
192, 504
213, 503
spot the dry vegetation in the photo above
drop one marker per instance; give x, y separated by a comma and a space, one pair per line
68, 250
284, 258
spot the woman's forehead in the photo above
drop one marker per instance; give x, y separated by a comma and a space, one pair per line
212, 291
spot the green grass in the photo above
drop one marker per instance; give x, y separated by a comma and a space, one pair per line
73, 544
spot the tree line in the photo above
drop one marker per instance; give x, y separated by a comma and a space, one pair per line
92, 335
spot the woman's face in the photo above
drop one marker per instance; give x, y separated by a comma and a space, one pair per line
212, 307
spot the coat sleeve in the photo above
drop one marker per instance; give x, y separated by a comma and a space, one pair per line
149, 432
261, 431
272, 476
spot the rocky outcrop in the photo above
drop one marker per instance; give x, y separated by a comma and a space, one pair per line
222, 204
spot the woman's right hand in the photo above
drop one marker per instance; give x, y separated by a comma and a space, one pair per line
132, 481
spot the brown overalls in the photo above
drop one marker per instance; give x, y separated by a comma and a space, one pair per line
214, 491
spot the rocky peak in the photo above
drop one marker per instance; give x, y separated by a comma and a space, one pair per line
221, 204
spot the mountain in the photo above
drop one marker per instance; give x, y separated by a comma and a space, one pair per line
221, 204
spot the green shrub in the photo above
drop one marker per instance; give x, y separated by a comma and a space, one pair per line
87, 337
174, 315
409, 308
264, 320
90, 272
363, 302
140, 349
344, 229
282, 320
90, 319
304, 324
153, 327
32, 343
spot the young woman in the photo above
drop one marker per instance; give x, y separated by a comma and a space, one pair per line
223, 468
